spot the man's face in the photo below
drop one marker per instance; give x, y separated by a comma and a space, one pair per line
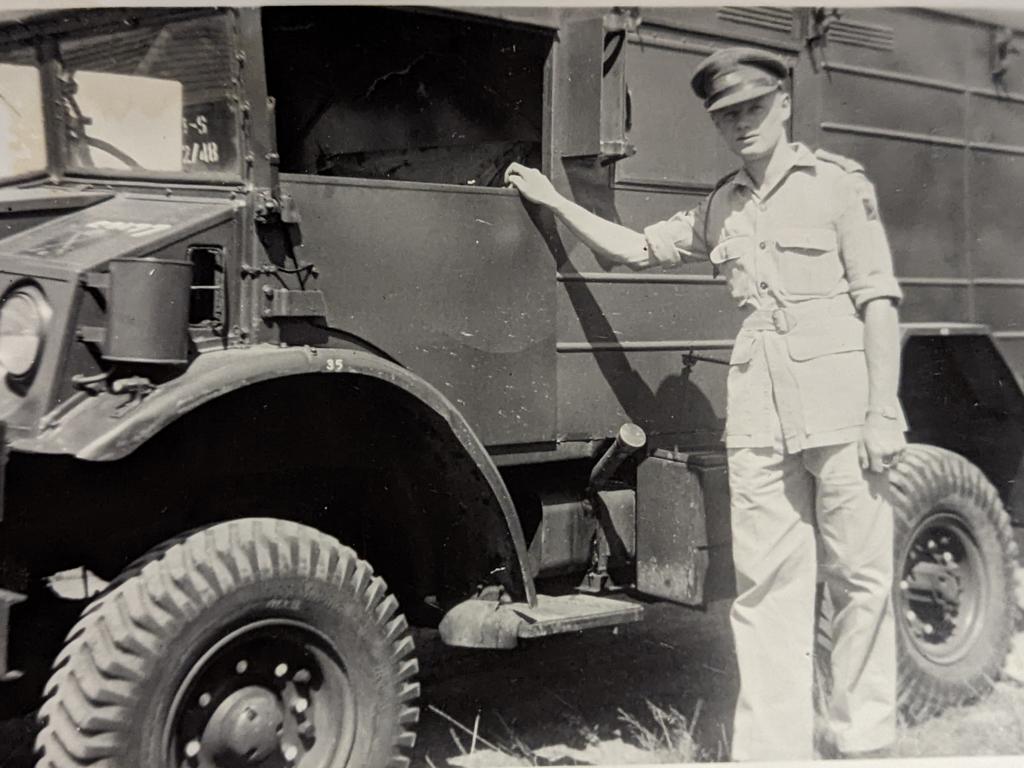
752, 129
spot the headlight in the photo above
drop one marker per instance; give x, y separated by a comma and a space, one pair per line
24, 315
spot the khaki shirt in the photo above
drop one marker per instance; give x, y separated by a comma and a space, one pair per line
802, 256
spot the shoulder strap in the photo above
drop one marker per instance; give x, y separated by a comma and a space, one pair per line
847, 164
711, 196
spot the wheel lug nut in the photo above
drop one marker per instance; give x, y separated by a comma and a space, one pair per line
204, 700
281, 670
193, 748
300, 705
911, 616
904, 585
241, 667
928, 629
302, 677
947, 556
290, 752
932, 544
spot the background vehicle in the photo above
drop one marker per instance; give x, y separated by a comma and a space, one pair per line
267, 318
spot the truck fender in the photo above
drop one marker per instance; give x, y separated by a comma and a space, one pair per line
960, 393
107, 426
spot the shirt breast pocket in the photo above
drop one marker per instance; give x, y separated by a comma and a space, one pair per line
732, 257
807, 260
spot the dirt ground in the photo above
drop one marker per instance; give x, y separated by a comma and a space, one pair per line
566, 691
563, 699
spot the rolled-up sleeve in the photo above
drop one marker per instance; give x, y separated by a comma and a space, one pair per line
863, 244
679, 238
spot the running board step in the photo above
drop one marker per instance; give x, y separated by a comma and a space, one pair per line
488, 624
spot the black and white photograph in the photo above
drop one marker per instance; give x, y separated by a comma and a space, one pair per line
493, 385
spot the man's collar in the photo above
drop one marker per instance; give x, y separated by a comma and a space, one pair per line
798, 156
802, 155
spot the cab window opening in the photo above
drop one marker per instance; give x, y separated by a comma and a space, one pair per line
392, 94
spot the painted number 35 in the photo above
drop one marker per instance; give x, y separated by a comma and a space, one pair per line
334, 364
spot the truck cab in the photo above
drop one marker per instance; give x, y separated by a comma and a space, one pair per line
287, 370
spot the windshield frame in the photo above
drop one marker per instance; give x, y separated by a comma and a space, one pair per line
45, 32
41, 172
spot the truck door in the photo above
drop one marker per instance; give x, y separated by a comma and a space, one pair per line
394, 130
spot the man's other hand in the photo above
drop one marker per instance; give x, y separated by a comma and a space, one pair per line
882, 444
531, 184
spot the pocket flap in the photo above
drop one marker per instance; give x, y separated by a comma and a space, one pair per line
814, 239
733, 248
742, 349
831, 337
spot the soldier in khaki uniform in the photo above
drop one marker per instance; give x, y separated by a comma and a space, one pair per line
812, 419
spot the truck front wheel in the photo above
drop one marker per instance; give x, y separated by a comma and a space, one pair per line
256, 642
954, 568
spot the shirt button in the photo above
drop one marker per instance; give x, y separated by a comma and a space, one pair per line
762, 245
763, 285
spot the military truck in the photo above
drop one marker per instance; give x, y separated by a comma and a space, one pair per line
287, 371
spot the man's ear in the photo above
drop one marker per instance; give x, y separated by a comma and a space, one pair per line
785, 103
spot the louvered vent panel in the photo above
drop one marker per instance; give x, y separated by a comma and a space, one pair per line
775, 19
874, 36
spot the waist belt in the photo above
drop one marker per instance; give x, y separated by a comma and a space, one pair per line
785, 319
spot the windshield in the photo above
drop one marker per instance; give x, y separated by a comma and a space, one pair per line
22, 146
157, 98
153, 99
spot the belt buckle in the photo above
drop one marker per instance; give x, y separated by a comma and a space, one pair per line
783, 320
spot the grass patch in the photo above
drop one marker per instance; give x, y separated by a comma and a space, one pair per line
668, 736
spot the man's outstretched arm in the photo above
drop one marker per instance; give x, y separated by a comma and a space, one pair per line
606, 238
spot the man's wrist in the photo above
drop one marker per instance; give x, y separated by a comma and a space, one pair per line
886, 412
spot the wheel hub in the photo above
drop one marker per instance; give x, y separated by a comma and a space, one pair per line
246, 726
940, 587
272, 694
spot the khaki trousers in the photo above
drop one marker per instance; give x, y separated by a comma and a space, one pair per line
778, 502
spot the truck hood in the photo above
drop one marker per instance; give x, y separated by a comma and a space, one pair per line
125, 225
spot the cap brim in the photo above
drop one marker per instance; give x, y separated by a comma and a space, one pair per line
741, 95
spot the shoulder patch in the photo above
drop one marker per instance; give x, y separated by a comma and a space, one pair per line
848, 165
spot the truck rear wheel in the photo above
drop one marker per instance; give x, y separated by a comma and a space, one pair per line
255, 642
954, 568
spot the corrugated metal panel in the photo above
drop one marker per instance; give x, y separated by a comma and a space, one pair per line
776, 19
858, 33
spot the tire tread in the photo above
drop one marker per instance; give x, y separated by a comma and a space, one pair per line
118, 636
927, 476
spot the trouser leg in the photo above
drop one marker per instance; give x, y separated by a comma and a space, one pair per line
856, 528
773, 615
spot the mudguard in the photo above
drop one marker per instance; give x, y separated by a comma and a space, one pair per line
108, 426
960, 393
